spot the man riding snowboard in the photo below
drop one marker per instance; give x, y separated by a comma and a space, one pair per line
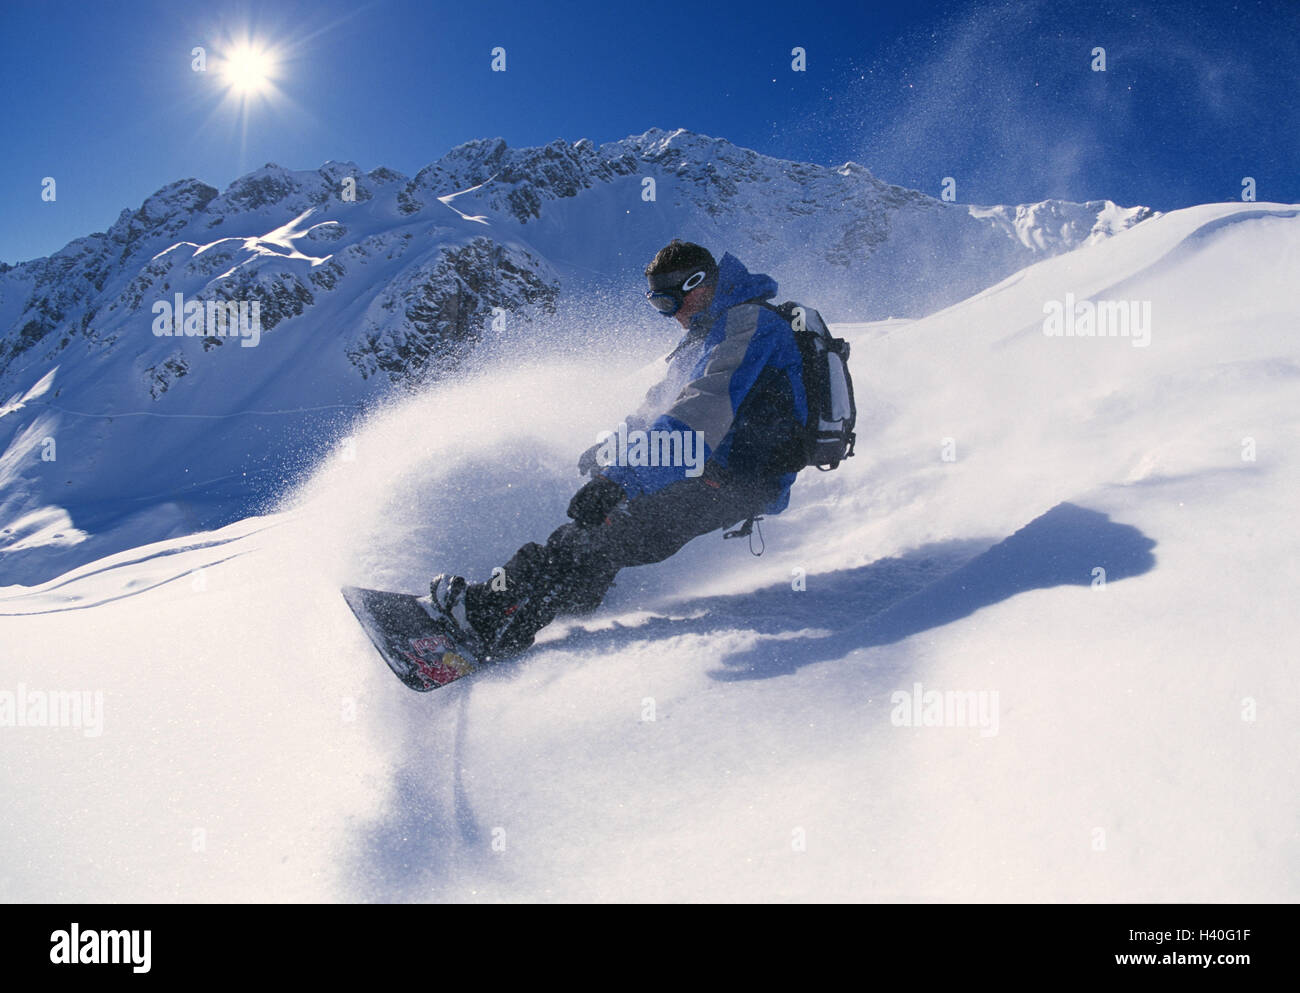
735, 382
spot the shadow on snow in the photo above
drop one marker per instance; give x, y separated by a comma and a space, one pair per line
892, 599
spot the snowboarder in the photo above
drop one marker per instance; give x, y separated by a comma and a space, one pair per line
734, 385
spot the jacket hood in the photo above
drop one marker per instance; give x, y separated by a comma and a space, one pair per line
736, 284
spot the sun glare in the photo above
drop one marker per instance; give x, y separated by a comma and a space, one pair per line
248, 70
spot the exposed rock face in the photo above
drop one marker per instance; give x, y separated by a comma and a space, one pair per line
445, 308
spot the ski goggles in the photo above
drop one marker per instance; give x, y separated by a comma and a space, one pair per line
668, 289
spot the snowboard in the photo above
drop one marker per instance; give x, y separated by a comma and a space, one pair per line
423, 651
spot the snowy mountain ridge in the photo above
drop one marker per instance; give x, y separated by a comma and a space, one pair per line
755, 198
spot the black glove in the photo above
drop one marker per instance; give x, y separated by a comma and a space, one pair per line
587, 461
594, 501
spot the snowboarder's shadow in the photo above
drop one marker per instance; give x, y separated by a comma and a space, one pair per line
892, 599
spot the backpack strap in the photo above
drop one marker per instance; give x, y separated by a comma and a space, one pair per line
784, 310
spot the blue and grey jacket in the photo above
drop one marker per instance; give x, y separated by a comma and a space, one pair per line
736, 377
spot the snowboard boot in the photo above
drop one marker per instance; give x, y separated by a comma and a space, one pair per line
486, 626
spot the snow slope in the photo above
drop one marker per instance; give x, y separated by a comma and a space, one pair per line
254, 747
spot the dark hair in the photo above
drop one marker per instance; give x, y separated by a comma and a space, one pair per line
678, 254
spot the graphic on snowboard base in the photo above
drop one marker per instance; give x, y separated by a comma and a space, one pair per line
423, 651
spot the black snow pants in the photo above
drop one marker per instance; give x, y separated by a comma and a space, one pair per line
574, 570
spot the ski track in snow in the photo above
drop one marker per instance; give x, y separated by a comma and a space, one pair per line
254, 747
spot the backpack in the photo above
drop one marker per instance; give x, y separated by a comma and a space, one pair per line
832, 413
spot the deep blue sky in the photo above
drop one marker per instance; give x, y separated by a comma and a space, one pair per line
1197, 94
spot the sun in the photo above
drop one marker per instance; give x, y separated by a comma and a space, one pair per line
248, 73
249, 69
